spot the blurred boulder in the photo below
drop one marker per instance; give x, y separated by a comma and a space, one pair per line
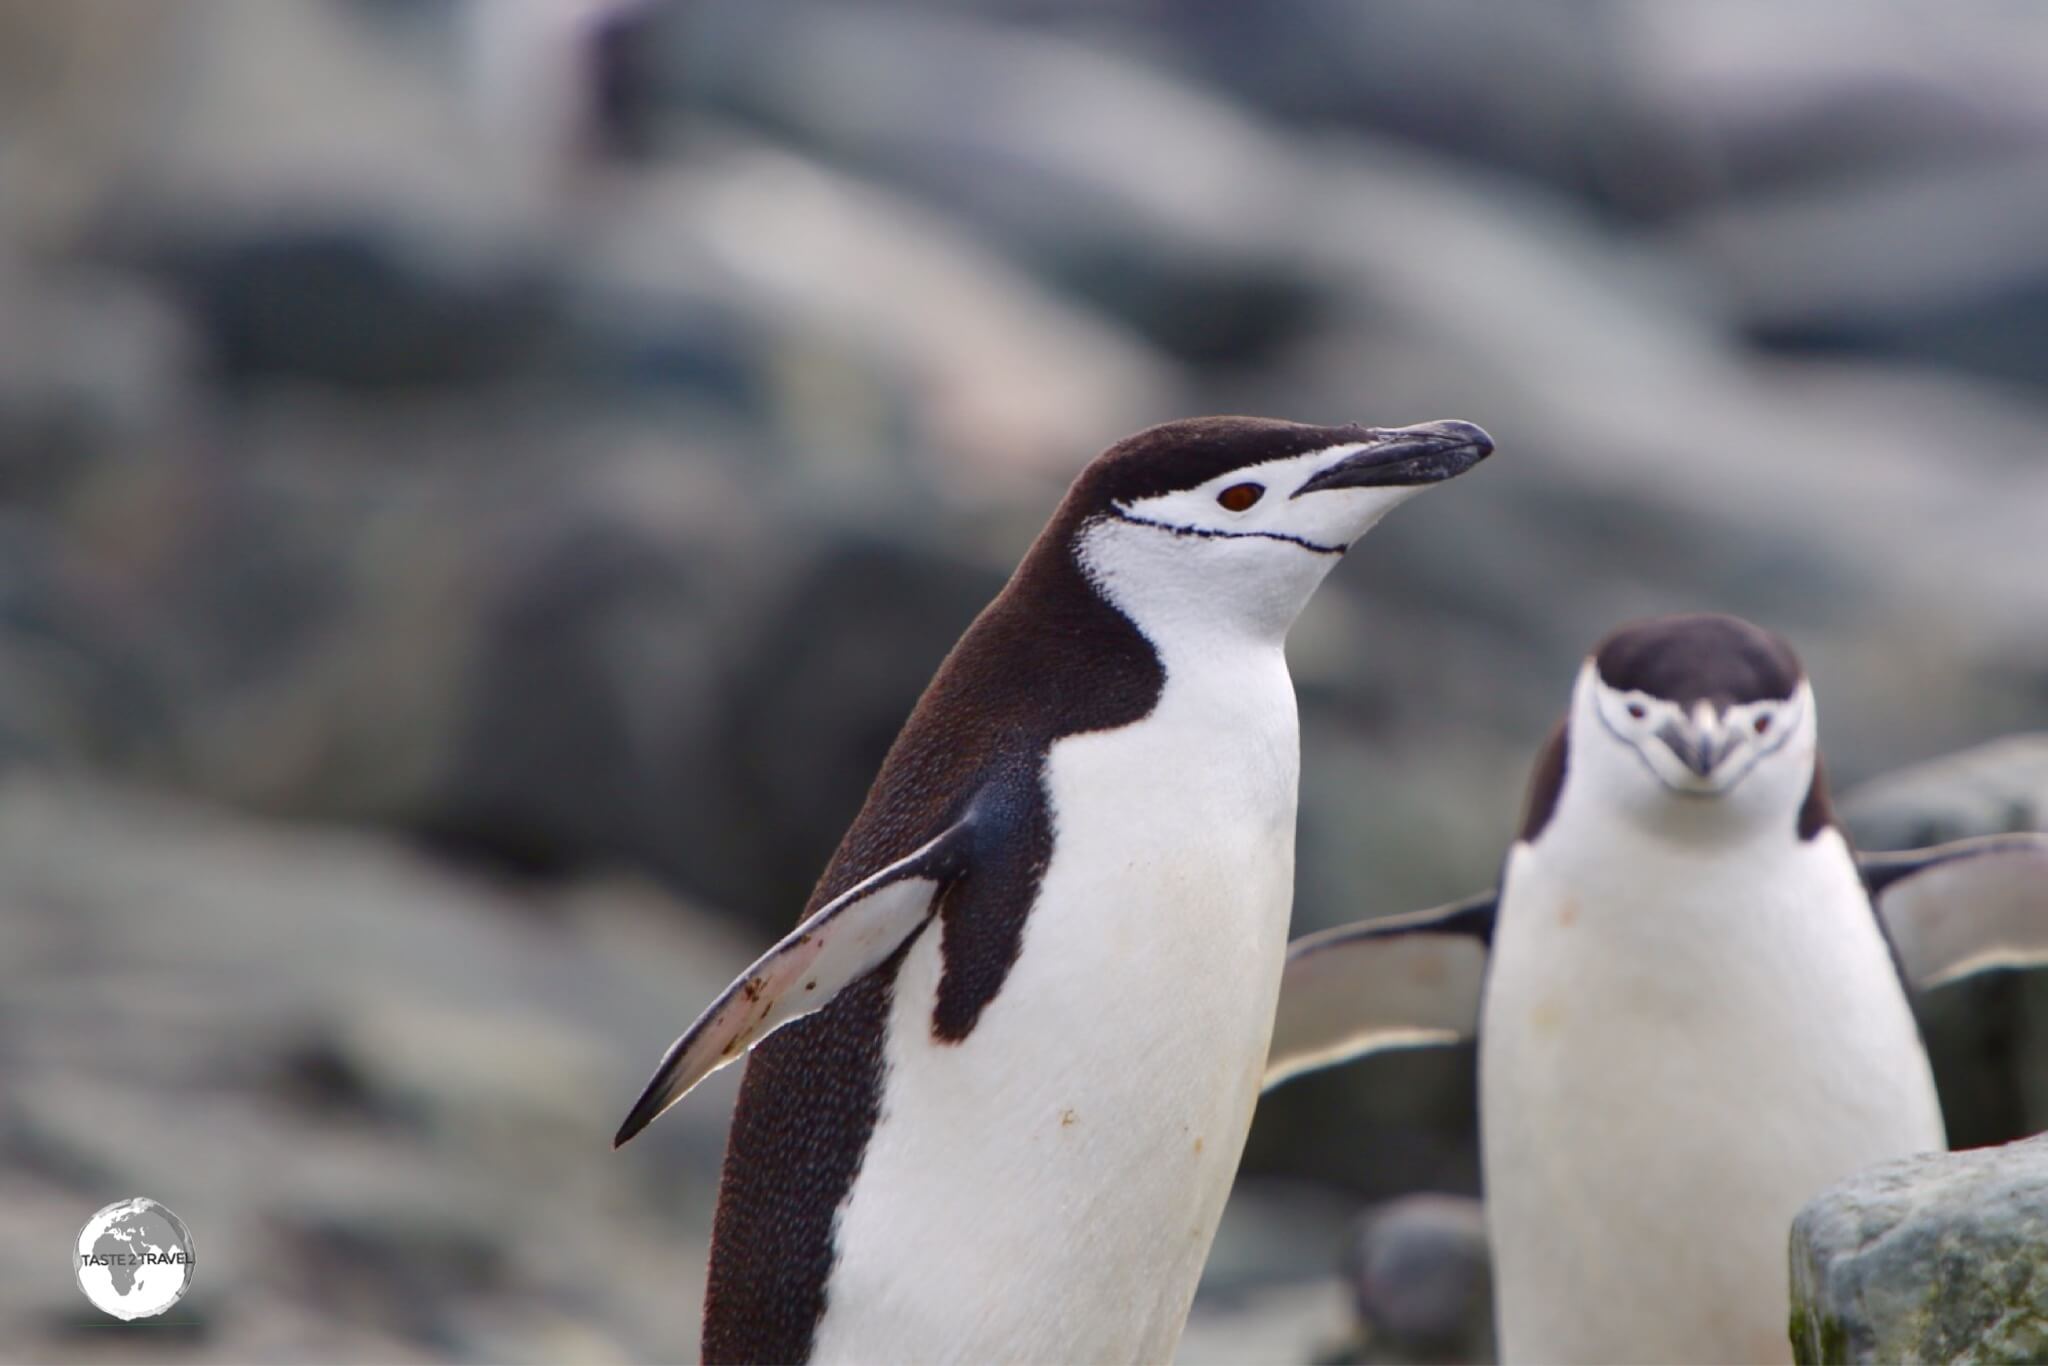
891, 335
381, 1093
1986, 790
1935, 1258
1647, 110
814, 700
323, 187
89, 358
1763, 100
76, 84
1983, 1033
77, 683
353, 306
1415, 1281
1421, 1279
1534, 91
1145, 195
1288, 1322
1944, 264
1273, 1232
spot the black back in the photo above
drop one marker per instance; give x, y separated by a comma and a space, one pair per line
1546, 783
1050, 657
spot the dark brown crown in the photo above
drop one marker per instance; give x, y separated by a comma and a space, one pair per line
1703, 657
1192, 451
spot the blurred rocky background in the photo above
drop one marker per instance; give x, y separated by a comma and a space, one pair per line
482, 481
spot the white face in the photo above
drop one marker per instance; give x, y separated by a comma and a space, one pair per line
1695, 767
1243, 551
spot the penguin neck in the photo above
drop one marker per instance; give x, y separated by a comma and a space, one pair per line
1198, 599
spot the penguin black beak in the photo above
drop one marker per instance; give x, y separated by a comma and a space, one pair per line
1698, 753
1395, 457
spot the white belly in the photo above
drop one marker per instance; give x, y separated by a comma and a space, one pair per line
1671, 1063
1047, 1189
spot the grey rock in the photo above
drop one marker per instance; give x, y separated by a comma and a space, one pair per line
1414, 1281
86, 355
359, 307
1984, 1034
1273, 1232
375, 242
1964, 281
1935, 1258
1056, 156
379, 1092
1421, 1278
1646, 109
376, 448
851, 374
1288, 1322
1986, 790
1751, 102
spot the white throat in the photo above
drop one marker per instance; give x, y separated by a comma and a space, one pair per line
1191, 594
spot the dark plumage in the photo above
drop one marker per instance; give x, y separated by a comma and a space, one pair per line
1049, 657
1704, 657
1546, 782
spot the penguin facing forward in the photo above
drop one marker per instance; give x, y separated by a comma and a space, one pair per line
1003, 1069
1691, 1000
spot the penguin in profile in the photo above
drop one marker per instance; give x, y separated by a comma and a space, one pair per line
1003, 1069
1691, 998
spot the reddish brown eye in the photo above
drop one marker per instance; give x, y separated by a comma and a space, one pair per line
1637, 710
1763, 723
1238, 497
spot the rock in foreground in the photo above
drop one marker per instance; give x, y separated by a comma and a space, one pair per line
1935, 1258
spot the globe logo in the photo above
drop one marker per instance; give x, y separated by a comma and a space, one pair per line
135, 1259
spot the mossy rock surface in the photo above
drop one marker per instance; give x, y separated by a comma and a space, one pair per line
1941, 1258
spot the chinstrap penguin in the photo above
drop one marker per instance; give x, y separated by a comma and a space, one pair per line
1691, 999
1008, 1135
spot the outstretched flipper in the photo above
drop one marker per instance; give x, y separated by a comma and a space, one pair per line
1963, 908
834, 948
1401, 982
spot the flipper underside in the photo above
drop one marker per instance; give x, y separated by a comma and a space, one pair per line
1968, 907
1400, 982
833, 948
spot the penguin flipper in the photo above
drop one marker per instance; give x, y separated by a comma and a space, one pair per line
1968, 907
833, 948
1400, 982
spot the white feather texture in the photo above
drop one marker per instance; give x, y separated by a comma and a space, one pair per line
1692, 1024
1088, 1128
1161, 923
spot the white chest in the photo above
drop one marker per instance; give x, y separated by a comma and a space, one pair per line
1677, 1050
1048, 1188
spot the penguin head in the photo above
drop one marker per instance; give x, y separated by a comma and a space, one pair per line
1702, 723
1235, 520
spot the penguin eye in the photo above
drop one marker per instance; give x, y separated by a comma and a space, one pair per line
1638, 710
1238, 497
1762, 723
